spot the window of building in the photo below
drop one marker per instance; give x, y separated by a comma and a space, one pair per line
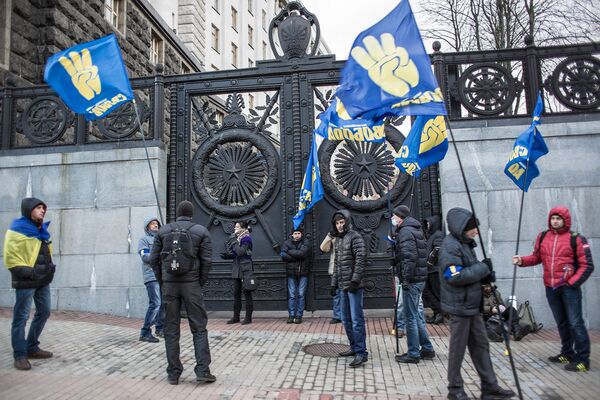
216, 5
214, 67
184, 68
264, 50
219, 117
157, 55
114, 13
5, 13
250, 101
234, 55
264, 20
250, 36
234, 18
251, 7
215, 38
250, 63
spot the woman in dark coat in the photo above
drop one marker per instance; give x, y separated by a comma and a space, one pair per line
239, 248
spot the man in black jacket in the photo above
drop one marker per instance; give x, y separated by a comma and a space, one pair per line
462, 276
431, 293
182, 282
348, 276
295, 254
28, 257
411, 264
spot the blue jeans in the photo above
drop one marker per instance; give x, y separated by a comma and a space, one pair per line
416, 334
337, 306
565, 303
41, 298
296, 303
353, 319
400, 324
155, 315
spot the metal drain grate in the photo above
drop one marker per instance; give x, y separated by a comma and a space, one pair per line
325, 349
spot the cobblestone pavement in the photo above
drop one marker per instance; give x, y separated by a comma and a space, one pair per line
99, 357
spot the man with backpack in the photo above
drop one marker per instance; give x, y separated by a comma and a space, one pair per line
567, 262
181, 258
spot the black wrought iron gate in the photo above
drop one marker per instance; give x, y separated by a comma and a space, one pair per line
249, 166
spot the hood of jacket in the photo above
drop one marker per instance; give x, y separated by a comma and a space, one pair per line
28, 204
564, 213
457, 219
346, 215
147, 222
410, 221
434, 223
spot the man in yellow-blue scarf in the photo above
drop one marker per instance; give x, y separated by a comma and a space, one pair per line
28, 257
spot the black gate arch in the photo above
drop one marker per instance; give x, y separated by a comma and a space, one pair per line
249, 166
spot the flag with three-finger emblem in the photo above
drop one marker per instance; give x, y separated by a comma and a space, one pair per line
389, 72
90, 77
426, 144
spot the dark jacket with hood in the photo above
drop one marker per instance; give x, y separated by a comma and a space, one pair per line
295, 254
28, 248
435, 236
239, 249
201, 250
411, 251
144, 246
350, 255
460, 271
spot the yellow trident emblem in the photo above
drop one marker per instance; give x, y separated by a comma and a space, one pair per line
83, 73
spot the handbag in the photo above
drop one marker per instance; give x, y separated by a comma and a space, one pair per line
249, 281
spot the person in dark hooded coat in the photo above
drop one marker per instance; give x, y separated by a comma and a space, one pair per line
462, 297
431, 293
295, 253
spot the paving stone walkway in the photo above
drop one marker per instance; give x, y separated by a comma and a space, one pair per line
99, 357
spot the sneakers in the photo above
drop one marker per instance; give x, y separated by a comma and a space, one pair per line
560, 359
335, 321
427, 354
22, 364
40, 354
406, 359
206, 377
290, 320
458, 396
347, 353
359, 360
298, 320
159, 334
149, 339
578, 366
233, 320
496, 393
247, 321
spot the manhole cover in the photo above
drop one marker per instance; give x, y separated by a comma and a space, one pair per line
325, 349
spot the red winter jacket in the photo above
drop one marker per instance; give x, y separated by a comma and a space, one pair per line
556, 254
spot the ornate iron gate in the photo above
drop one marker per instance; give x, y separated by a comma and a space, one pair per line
250, 165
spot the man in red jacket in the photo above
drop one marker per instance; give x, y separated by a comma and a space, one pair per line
565, 270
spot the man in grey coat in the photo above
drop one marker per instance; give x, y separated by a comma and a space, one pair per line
155, 315
461, 278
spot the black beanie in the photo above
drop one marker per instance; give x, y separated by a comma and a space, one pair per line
300, 229
471, 223
185, 209
402, 211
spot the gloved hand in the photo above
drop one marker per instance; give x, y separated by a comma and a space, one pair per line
282, 254
488, 262
405, 284
491, 278
353, 288
333, 290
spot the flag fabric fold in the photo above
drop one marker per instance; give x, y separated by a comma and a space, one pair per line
312, 186
90, 78
335, 124
426, 144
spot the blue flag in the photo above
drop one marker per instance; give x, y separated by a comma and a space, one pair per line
90, 78
389, 72
528, 147
312, 187
337, 125
426, 144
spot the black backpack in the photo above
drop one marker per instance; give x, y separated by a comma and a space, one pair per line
177, 257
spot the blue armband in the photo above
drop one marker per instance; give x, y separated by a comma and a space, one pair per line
144, 251
452, 271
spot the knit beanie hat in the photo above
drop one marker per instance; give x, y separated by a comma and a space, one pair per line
185, 209
402, 211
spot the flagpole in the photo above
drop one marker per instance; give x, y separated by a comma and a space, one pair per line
137, 117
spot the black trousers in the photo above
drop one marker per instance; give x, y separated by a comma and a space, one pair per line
190, 294
431, 293
469, 332
237, 300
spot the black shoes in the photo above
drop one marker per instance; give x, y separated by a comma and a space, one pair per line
436, 319
359, 360
347, 353
290, 320
335, 321
298, 320
149, 339
578, 366
496, 393
233, 320
560, 359
427, 355
247, 321
458, 396
406, 359
173, 380
206, 377
159, 334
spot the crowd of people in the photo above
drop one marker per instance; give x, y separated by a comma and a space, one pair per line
434, 270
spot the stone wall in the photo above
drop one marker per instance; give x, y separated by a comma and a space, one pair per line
570, 175
97, 202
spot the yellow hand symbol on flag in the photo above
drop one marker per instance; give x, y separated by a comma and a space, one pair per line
83, 73
433, 134
390, 67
